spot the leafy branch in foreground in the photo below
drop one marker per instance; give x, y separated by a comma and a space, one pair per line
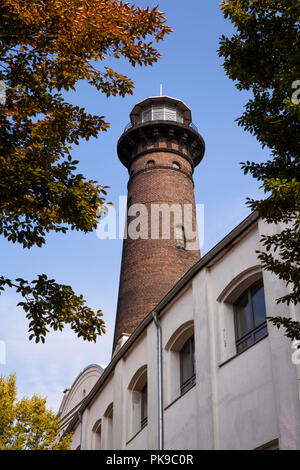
282, 250
46, 49
262, 56
292, 327
51, 305
27, 424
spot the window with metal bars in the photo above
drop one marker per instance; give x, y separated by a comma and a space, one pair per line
144, 405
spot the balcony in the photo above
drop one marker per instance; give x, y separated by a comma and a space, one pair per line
130, 125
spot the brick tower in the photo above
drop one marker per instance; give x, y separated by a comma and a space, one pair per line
160, 148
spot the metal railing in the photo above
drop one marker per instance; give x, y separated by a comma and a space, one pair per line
184, 387
129, 125
193, 126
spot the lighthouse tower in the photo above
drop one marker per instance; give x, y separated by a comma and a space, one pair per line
160, 148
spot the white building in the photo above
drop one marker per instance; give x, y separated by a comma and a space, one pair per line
231, 400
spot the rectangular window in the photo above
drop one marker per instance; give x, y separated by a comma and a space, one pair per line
187, 365
250, 317
147, 115
144, 406
170, 113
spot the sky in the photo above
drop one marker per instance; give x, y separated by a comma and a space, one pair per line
190, 70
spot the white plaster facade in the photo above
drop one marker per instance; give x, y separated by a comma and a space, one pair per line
239, 401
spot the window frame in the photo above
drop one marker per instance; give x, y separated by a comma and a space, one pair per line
137, 414
161, 112
254, 329
97, 432
109, 427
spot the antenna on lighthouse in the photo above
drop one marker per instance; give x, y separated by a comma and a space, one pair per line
160, 90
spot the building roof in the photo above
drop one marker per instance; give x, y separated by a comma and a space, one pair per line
168, 100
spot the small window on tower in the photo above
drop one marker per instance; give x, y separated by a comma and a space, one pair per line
180, 237
150, 163
176, 165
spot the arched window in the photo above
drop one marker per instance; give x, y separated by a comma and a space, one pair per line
187, 365
180, 237
180, 369
176, 165
250, 317
150, 163
138, 402
97, 433
109, 413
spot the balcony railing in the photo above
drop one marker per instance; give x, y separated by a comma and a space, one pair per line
129, 125
193, 126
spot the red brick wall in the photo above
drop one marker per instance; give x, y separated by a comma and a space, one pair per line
151, 267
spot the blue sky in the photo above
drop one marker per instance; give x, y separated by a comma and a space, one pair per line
190, 70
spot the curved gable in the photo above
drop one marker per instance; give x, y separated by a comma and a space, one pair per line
80, 388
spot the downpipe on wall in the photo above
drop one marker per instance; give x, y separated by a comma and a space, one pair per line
160, 383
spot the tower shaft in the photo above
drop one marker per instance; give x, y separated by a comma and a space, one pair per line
161, 241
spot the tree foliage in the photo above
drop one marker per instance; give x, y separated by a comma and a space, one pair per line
263, 56
27, 424
46, 48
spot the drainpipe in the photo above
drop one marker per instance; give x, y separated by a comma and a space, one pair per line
160, 384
